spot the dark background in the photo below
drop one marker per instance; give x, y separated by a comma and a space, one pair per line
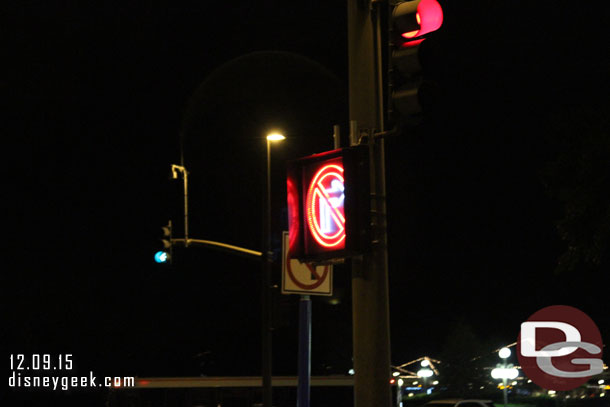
498, 203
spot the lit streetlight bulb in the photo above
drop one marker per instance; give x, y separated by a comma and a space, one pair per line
504, 353
275, 137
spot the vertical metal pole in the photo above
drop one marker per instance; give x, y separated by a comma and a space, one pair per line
337, 136
354, 133
186, 207
266, 290
304, 366
186, 194
370, 302
398, 394
504, 382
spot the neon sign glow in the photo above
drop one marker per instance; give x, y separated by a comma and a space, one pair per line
324, 206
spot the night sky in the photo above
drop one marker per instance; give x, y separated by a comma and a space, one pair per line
97, 100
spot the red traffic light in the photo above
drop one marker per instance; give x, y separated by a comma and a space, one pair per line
414, 19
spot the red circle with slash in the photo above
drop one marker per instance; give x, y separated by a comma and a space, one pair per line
319, 277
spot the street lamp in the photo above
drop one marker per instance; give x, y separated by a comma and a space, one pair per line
275, 137
424, 373
504, 372
266, 280
399, 383
504, 353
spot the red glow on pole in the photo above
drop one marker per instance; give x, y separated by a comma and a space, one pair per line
294, 219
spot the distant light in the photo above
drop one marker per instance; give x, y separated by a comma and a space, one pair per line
415, 382
351, 372
435, 382
429, 391
161, 257
514, 383
551, 392
504, 353
275, 137
602, 394
411, 394
396, 374
401, 382
425, 363
504, 373
425, 373
392, 381
600, 381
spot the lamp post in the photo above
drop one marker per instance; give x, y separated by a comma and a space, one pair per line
424, 373
399, 384
504, 353
266, 281
504, 372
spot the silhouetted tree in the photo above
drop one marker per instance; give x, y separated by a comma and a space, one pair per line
461, 371
580, 179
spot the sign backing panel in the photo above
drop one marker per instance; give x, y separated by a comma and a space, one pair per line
304, 278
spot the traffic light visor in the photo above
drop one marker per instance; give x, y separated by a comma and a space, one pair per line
413, 19
430, 16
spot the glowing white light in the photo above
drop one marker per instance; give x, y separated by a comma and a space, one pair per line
435, 382
600, 381
504, 353
401, 382
326, 220
504, 373
396, 374
275, 137
425, 373
161, 257
551, 392
351, 372
425, 363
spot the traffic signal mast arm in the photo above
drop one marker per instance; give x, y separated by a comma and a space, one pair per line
169, 241
217, 245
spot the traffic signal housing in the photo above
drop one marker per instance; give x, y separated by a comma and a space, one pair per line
411, 21
329, 205
165, 256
